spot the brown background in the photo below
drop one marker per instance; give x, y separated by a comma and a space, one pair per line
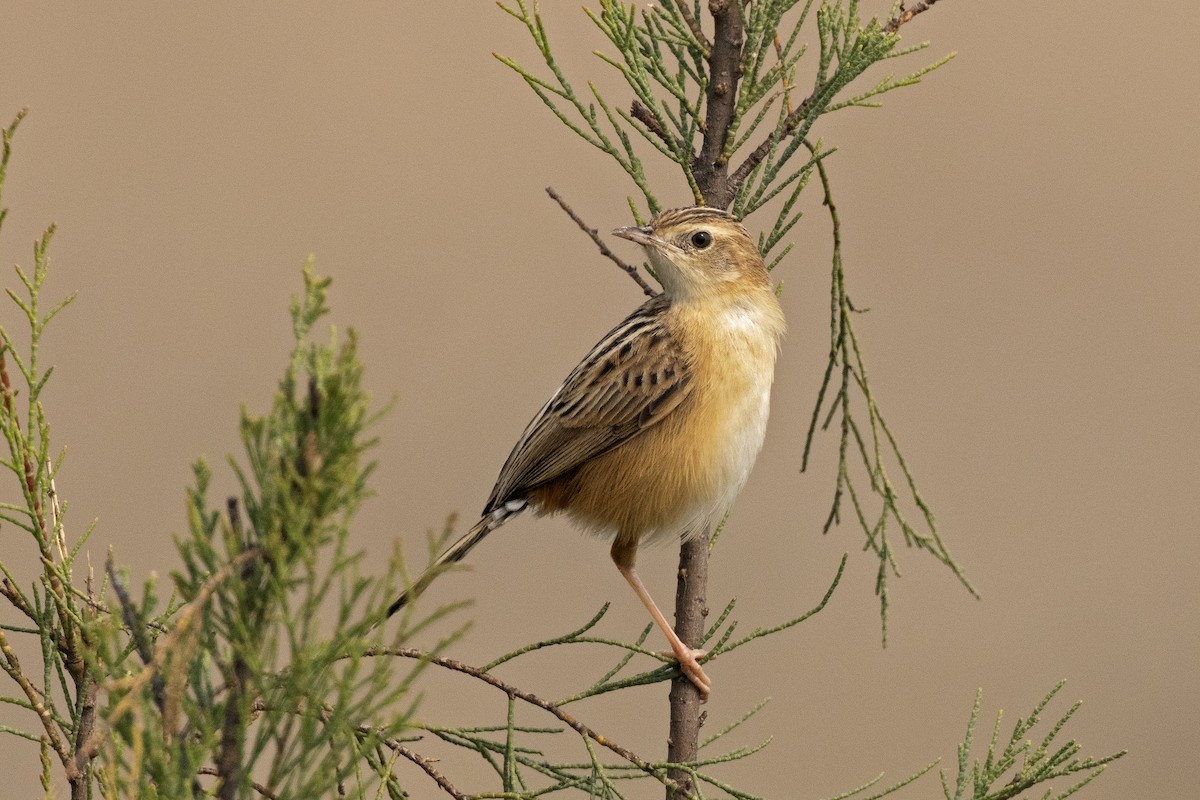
1024, 226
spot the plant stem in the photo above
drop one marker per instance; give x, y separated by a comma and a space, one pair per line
711, 168
691, 608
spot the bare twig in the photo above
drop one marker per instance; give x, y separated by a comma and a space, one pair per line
427, 765
325, 714
12, 665
629, 269
904, 14
258, 787
60, 533
528, 697
644, 116
14, 596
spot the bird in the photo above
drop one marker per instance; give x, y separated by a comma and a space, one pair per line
654, 433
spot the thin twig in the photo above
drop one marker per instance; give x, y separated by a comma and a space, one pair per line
427, 765
694, 25
258, 787
12, 666
783, 78
325, 714
532, 699
903, 14
629, 269
137, 630
643, 115
60, 533
14, 596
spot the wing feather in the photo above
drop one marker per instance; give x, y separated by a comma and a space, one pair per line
632, 379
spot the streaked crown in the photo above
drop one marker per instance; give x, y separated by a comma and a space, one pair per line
700, 250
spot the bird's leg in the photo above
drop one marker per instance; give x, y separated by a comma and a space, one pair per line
624, 555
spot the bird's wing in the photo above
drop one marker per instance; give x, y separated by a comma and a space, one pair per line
630, 381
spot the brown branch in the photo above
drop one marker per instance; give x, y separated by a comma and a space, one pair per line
693, 25
710, 166
12, 665
14, 596
427, 765
629, 269
790, 123
691, 608
326, 713
83, 737
903, 14
258, 787
643, 115
545, 705
230, 767
711, 170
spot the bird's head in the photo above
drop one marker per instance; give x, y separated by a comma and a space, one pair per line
698, 251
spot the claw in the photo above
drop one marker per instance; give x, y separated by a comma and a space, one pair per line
689, 666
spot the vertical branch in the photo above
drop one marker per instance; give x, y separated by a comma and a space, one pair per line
691, 607
711, 167
230, 767
84, 753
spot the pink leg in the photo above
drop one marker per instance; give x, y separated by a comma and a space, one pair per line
623, 557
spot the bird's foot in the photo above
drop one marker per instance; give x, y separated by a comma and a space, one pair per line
689, 665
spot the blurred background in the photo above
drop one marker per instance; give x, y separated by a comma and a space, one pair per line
1023, 226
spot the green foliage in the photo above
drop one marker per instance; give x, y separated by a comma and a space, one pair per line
873, 448
239, 676
663, 57
1030, 766
61, 692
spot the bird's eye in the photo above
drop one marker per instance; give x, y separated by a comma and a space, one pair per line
701, 239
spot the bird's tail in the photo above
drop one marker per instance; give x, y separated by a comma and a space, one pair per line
458, 551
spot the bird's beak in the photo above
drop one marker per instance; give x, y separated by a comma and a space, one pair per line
643, 236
